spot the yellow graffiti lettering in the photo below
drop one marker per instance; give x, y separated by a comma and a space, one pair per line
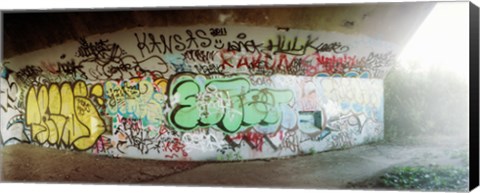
62, 115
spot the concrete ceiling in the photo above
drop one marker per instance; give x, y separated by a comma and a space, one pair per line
393, 22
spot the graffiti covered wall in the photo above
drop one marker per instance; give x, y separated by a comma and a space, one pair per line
198, 93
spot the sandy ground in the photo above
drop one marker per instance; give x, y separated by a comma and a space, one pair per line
326, 170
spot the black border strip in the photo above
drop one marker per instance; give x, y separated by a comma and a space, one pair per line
474, 99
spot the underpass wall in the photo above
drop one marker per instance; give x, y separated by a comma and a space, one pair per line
202, 84
199, 93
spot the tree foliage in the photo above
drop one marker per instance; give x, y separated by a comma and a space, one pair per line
428, 102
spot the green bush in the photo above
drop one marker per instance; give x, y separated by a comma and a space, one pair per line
428, 102
431, 178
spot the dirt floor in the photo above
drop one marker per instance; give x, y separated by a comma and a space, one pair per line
327, 170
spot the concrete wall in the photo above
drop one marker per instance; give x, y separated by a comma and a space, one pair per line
392, 22
199, 92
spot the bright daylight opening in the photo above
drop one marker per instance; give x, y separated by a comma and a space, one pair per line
441, 41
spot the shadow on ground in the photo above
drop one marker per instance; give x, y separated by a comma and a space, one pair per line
327, 170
